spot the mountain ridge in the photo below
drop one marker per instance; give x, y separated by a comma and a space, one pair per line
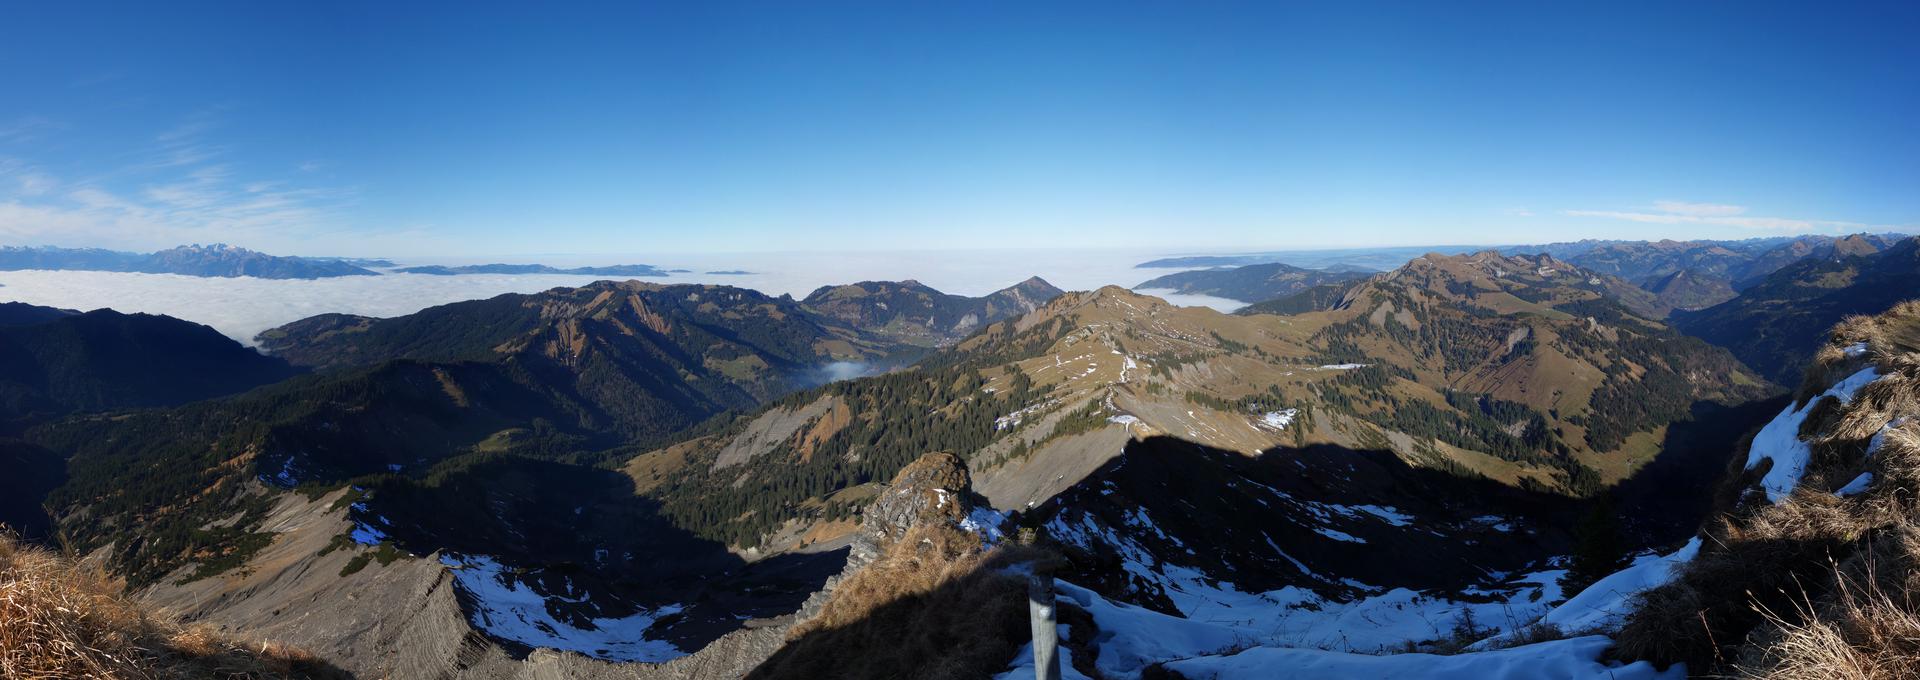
1779, 321
912, 312
1250, 283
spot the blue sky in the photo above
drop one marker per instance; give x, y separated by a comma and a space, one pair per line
466, 129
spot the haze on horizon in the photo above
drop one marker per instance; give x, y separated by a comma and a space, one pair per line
453, 131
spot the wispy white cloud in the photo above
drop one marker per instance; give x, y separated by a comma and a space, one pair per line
1682, 212
35, 184
27, 129
26, 179
1700, 209
181, 191
185, 144
1519, 212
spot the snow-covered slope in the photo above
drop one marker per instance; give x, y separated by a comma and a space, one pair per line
1215, 535
1200, 611
1570, 659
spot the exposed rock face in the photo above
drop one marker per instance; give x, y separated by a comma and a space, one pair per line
933, 488
768, 431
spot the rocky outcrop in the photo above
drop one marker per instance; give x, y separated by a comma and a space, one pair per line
937, 488
933, 488
925, 595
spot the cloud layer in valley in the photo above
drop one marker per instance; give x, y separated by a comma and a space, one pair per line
242, 307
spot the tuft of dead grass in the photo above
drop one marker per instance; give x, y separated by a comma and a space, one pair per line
60, 619
1867, 628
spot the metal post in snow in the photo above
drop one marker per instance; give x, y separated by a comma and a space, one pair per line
1046, 634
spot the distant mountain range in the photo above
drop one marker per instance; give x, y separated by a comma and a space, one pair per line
911, 312
217, 260
1676, 275
225, 261
1332, 259
1254, 282
1776, 323
1699, 274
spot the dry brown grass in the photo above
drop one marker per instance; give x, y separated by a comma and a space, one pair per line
1817, 585
1708, 607
936, 605
62, 620
1759, 562
925, 559
1867, 628
1893, 343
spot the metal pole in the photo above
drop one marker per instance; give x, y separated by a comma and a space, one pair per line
1046, 635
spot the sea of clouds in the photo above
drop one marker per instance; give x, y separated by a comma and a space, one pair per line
242, 307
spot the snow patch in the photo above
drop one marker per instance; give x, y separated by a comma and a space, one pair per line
1780, 440
1297, 616
1606, 603
1385, 513
1022, 668
1858, 485
1880, 437
288, 476
1013, 420
366, 535
986, 522
506, 608
1494, 522
1570, 659
364, 532
1339, 535
1132, 638
1279, 420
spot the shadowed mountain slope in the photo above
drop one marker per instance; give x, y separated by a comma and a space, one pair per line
1776, 324
55, 362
